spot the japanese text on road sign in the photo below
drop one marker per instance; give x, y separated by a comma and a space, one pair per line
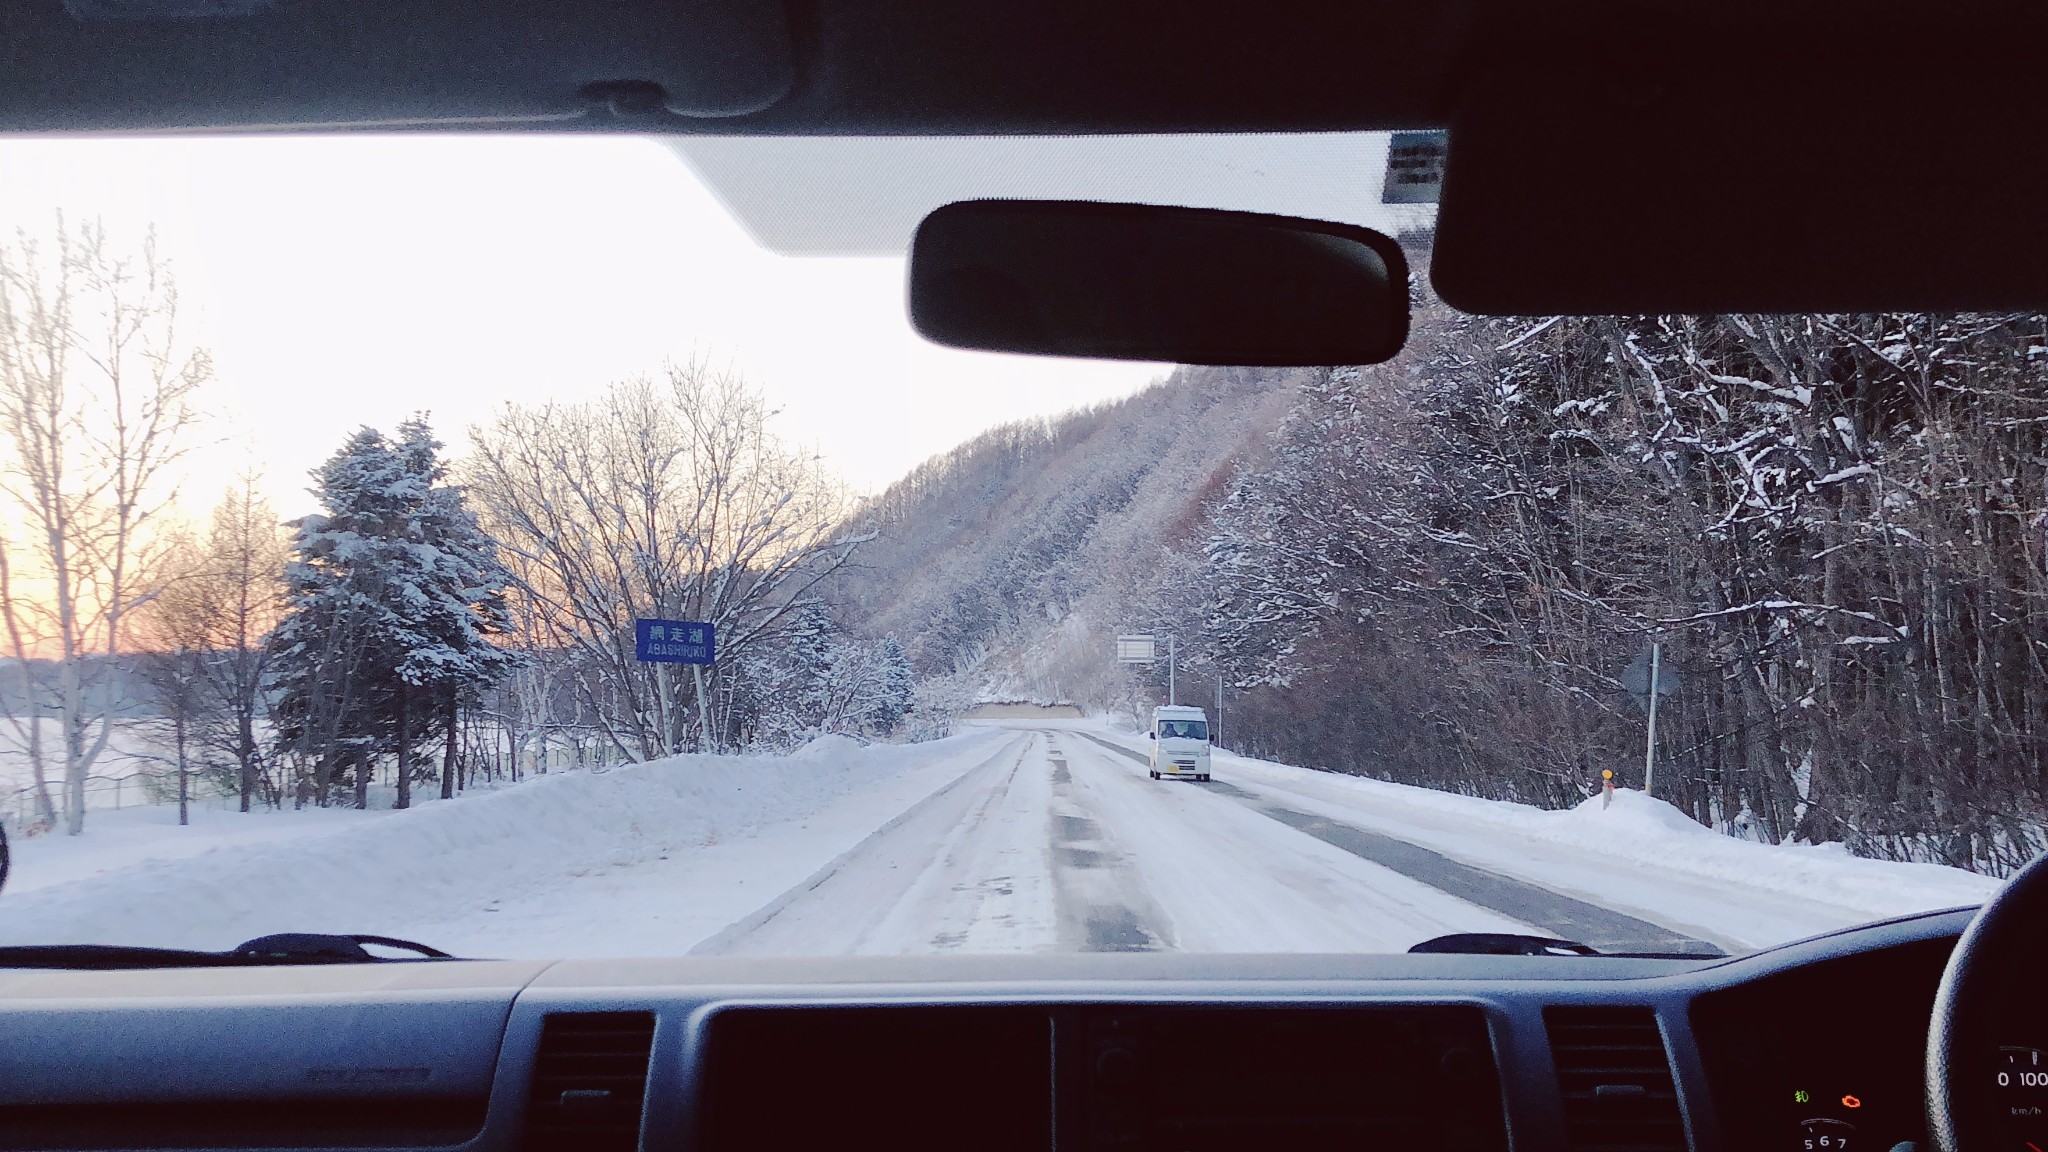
674, 642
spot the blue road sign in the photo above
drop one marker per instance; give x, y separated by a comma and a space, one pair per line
674, 642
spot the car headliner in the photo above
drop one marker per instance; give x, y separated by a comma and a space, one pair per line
1606, 156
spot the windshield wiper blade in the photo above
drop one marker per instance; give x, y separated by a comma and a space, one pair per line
320, 948
279, 949
1504, 944
1513, 944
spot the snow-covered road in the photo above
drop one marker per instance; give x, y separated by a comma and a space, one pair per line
1015, 837
1070, 847
1640, 863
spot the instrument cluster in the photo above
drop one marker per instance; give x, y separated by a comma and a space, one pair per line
1825, 1058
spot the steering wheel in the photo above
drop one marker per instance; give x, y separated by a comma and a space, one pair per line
1987, 1044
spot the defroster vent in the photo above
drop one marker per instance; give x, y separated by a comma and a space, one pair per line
1616, 1080
589, 1082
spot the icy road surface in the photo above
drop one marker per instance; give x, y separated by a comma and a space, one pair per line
1013, 838
1068, 846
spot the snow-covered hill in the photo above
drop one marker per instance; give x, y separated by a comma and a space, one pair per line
1019, 555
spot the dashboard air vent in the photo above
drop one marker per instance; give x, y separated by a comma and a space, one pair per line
589, 1081
1615, 1079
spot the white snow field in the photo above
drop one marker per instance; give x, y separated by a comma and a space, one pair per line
1012, 836
641, 860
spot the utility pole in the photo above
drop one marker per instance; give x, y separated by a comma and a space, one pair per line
1219, 706
1650, 745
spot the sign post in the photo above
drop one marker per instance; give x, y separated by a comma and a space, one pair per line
1650, 745
1171, 664
703, 709
1647, 679
664, 710
1145, 650
692, 642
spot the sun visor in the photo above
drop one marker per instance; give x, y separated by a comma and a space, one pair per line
1658, 159
140, 65
864, 196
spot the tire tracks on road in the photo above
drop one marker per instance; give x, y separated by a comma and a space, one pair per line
735, 937
1102, 904
1562, 915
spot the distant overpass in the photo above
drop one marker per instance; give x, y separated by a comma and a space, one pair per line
1022, 710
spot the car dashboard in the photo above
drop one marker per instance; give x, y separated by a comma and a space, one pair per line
1811, 1047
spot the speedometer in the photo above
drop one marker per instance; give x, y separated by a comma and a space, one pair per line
2022, 1094
2022, 1069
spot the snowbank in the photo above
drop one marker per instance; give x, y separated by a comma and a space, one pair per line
827, 748
1646, 831
1641, 832
440, 872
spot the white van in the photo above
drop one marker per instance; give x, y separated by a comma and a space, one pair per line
1180, 743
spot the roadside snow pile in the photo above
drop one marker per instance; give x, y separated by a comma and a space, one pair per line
1648, 831
431, 869
828, 748
1641, 853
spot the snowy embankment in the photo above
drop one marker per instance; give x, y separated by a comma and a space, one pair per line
640, 860
1641, 856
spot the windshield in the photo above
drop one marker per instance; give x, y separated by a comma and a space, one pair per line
564, 547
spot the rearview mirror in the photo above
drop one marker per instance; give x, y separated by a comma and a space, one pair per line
1144, 282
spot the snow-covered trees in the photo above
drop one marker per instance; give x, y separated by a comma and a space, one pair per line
405, 612
1437, 569
394, 596
1834, 524
817, 679
453, 608
96, 387
669, 498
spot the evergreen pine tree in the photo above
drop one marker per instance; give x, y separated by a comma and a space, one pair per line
333, 687
393, 594
453, 602
898, 686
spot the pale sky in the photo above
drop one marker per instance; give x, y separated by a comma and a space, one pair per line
342, 281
